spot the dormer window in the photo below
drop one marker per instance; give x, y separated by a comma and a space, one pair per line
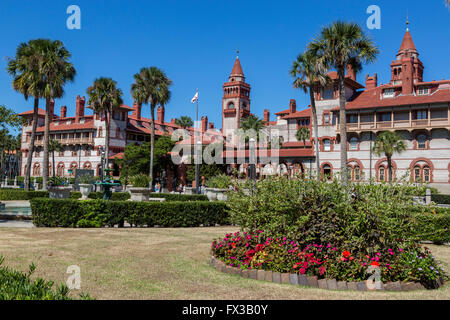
423, 90
388, 93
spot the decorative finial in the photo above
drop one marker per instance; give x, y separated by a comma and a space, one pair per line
237, 53
407, 21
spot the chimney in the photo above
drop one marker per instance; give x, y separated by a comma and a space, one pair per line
407, 76
292, 106
63, 111
79, 111
371, 82
211, 125
173, 121
204, 124
160, 114
266, 116
351, 73
137, 110
52, 109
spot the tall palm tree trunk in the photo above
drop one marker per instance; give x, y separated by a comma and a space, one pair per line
31, 147
343, 126
389, 163
152, 144
46, 145
53, 166
316, 130
107, 137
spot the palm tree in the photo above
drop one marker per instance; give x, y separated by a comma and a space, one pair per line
151, 85
307, 71
249, 123
53, 71
340, 45
105, 97
25, 68
388, 142
184, 122
54, 145
302, 135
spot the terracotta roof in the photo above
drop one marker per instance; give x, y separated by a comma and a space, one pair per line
334, 76
66, 127
41, 112
407, 43
300, 152
296, 144
237, 68
372, 98
118, 156
299, 114
282, 112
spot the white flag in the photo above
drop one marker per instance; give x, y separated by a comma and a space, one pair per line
195, 98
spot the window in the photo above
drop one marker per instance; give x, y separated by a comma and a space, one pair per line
327, 172
327, 93
100, 132
231, 105
356, 173
326, 118
422, 115
421, 141
353, 118
116, 115
417, 174
426, 174
381, 174
388, 93
326, 145
354, 143
423, 90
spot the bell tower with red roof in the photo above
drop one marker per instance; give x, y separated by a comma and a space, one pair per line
236, 98
407, 69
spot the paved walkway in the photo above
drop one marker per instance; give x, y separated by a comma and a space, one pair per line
16, 223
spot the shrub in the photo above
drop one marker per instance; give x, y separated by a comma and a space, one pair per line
179, 197
140, 181
431, 224
15, 285
56, 181
441, 198
19, 194
86, 179
100, 213
221, 181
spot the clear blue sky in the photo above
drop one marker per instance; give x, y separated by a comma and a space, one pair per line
195, 42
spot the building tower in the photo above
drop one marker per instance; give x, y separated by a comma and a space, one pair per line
407, 69
236, 99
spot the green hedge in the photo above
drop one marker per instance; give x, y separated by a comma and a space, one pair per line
19, 194
432, 225
99, 213
179, 197
441, 198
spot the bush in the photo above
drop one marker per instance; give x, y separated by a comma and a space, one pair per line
179, 197
140, 181
440, 198
431, 224
15, 285
99, 213
221, 181
19, 194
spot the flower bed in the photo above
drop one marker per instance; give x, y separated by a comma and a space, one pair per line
406, 263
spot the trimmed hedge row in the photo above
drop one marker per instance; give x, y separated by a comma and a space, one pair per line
433, 225
98, 213
20, 194
440, 198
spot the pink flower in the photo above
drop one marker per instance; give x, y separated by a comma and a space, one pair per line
302, 270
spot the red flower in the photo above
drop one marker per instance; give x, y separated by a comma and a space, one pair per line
321, 270
376, 264
302, 270
345, 253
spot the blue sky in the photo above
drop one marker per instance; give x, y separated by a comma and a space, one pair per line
195, 43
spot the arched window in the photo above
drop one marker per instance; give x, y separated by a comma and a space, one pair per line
326, 145
426, 173
354, 143
231, 105
417, 174
87, 165
36, 169
327, 171
60, 169
100, 132
382, 176
73, 167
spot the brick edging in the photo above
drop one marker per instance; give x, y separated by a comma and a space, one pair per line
307, 281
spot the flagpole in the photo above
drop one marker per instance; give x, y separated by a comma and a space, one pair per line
197, 165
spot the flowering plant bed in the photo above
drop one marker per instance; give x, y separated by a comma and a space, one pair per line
252, 252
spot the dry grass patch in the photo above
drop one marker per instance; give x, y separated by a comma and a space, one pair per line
159, 264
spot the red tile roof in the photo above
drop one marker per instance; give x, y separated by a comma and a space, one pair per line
118, 156
41, 112
282, 112
237, 68
373, 98
281, 152
66, 127
299, 114
407, 43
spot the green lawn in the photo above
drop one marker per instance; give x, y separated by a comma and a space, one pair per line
159, 263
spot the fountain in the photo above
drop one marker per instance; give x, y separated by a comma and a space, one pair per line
107, 185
